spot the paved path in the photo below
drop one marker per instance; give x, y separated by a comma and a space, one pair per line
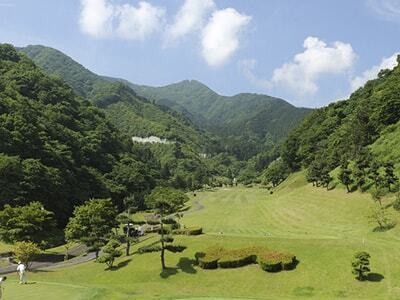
53, 261
198, 207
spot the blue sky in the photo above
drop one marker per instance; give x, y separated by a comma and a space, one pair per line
308, 52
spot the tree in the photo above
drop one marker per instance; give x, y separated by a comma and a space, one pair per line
380, 216
396, 203
110, 252
389, 177
130, 206
24, 251
345, 177
276, 172
92, 223
165, 201
27, 223
318, 172
360, 265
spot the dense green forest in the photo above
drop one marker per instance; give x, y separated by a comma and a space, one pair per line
246, 123
357, 135
238, 135
211, 123
133, 115
57, 148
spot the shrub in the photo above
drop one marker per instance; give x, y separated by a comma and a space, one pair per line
153, 222
168, 239
236, 261
175, 248
289, 262
189, 231
167, 229
194, 231
270, 261
169, 221
276, 261
24, 251
209, 258
150, 248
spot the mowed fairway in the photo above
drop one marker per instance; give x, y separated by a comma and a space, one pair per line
322, 228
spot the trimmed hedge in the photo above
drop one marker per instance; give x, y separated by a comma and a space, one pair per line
153, 222
270, 261
169, 221
167, 229
175, 248
236, 261
150, 248
189, 231
275, 261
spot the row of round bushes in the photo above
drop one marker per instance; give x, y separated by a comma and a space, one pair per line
270, 261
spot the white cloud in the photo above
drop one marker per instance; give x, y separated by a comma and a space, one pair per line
372, 73
139, 22
301, 75
220, 37
190, 17
96, 18
387, 9
247, 67
103, 18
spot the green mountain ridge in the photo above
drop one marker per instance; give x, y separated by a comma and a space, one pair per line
189, 112
253, 114
347, 130
132, 114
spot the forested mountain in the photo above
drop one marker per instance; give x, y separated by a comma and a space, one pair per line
351, 129
255, 120
245, 124
132, 114
57, 148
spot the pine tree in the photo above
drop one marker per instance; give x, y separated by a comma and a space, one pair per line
360, 265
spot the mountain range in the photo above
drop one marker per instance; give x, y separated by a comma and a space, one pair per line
243, 125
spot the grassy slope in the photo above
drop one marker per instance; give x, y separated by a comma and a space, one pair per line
322, 228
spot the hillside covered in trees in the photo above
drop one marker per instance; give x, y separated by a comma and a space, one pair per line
247, 123
212, 123
360, 135
132, 114
57, 148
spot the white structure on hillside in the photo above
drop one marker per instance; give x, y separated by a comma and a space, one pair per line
150, 139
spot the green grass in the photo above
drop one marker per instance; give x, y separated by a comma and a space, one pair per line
323, 229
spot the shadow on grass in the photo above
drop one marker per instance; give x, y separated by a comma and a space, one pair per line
375, 277
50, 257
384, 228
40, 271
304, 291
185, 208
120, 265
168, 272
185, 265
